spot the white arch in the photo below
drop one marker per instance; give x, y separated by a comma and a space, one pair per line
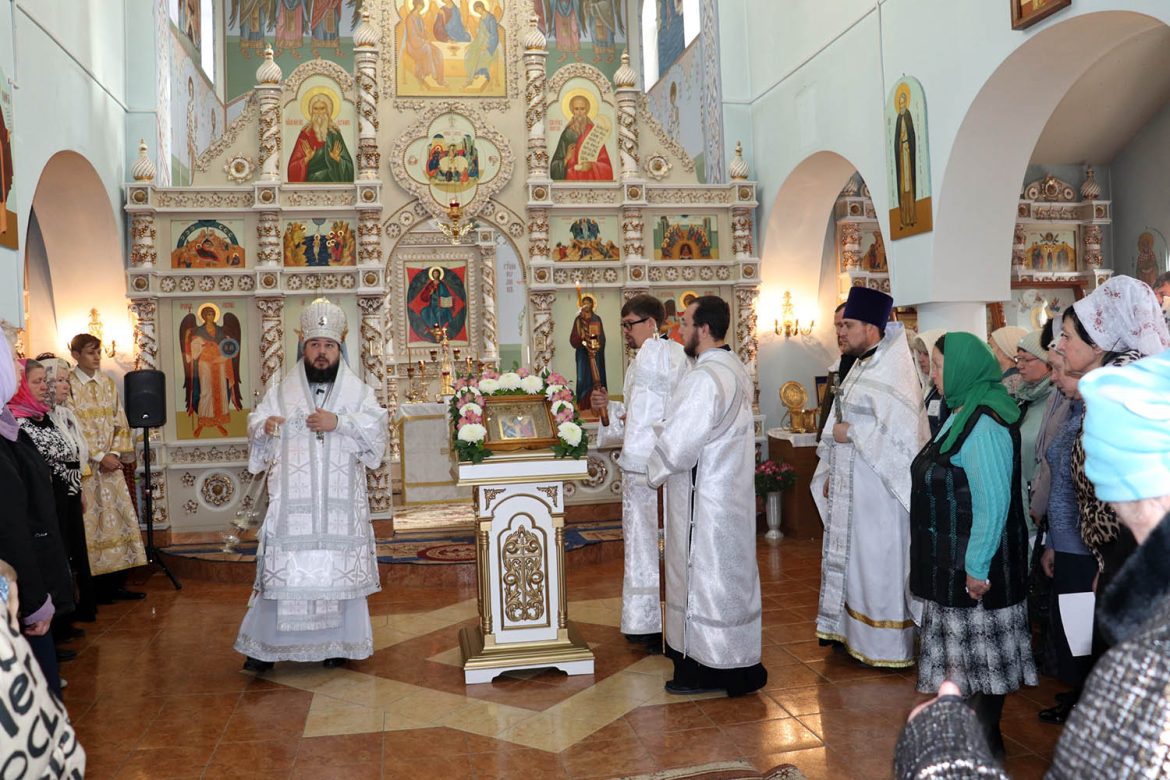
84, 248
976, 200
791, 260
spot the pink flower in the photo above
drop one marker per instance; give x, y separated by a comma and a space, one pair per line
563, 395
523, 372
490, 374
565, 415
471, 417
555, 378
460, 383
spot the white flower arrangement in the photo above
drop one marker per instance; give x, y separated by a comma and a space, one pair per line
570, 433
472, 433
467, 410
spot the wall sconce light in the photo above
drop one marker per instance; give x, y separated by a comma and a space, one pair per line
790, 326
95, 328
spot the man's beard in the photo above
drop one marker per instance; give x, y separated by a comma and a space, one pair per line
691, 348
579, 125
320, 376
321, 129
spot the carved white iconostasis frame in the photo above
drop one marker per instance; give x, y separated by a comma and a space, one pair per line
1048, 206
394, 218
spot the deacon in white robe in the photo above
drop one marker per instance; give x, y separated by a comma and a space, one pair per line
316, 433
651, 377
705, 454
862, 489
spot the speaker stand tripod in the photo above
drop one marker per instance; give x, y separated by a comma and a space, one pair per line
152, 552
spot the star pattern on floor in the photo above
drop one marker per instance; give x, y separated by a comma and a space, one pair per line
354, 701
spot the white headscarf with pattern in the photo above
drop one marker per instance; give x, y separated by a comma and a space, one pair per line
1124, 314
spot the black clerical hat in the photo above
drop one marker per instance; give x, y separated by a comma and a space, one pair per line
866, 305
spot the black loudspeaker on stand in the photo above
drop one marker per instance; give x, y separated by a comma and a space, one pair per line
146, 408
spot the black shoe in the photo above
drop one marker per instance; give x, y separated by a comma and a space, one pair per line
65, 654
69, 633
649, 640
1059, 714
256, 665
121, 594
678, 689
1068, 697
333, 663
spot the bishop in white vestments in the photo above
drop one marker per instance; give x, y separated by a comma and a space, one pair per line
705, 454
650, 379
316, 433
862, 489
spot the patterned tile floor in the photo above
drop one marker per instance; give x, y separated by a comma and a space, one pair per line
157, 692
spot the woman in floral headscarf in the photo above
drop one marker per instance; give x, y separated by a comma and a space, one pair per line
29, 535
34, 405
1116, 324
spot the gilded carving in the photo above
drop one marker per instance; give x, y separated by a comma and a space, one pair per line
230, 134
707, 196
747, 342
523, 579
551, 491
207, 454
319, 198
484, 129
145, 333
142, 235
271, 338
217, 490
540, 303
188, 199
663, 137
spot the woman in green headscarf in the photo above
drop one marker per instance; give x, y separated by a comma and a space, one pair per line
968, 537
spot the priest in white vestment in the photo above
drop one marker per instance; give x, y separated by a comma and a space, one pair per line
862, 489
650, 379
706, 456
316, 433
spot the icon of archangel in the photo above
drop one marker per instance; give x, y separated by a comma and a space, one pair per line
211, 368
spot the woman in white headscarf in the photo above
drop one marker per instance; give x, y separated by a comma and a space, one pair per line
1116, 324
1004, 342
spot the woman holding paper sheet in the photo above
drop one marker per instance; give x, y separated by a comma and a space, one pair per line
1066, 559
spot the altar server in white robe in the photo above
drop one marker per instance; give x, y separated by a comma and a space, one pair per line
862, 489
316, 433
650, 379
705, 454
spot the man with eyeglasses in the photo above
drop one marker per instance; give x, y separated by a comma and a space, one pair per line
650, 379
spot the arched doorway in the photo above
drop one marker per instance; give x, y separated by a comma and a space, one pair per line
799, 236
980, 190
76, 260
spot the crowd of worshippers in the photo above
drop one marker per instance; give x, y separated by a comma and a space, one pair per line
70, 530
69, 534
968, 489
981, 501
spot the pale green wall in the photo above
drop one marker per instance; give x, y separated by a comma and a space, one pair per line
803, 78
84, 82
